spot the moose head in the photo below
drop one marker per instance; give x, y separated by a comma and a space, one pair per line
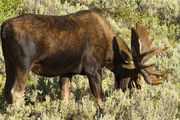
133, 66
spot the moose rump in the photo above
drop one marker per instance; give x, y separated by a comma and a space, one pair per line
52, 46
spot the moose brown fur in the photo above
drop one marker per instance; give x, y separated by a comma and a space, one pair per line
79, 43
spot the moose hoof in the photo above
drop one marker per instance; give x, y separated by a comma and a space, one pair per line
17, 97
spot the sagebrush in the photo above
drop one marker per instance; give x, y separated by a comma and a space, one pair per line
151, 103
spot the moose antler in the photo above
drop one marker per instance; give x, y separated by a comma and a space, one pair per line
141, 52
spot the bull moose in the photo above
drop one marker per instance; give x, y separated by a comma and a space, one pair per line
80, 43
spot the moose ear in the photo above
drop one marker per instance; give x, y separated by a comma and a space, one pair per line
144, 38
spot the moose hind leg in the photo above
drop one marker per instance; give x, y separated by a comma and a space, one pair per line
10, 78
17, 90
15, 82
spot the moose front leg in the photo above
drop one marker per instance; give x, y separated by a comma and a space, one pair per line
96, 87
65, 88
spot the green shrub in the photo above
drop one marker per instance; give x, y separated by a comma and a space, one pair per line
10, 8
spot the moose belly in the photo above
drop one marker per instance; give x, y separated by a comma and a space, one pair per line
51, 67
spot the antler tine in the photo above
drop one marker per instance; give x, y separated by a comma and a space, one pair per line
147, 55
147, 65
128, 66
149, 80
157, 73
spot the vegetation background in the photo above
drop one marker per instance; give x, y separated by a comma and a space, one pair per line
162, 18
